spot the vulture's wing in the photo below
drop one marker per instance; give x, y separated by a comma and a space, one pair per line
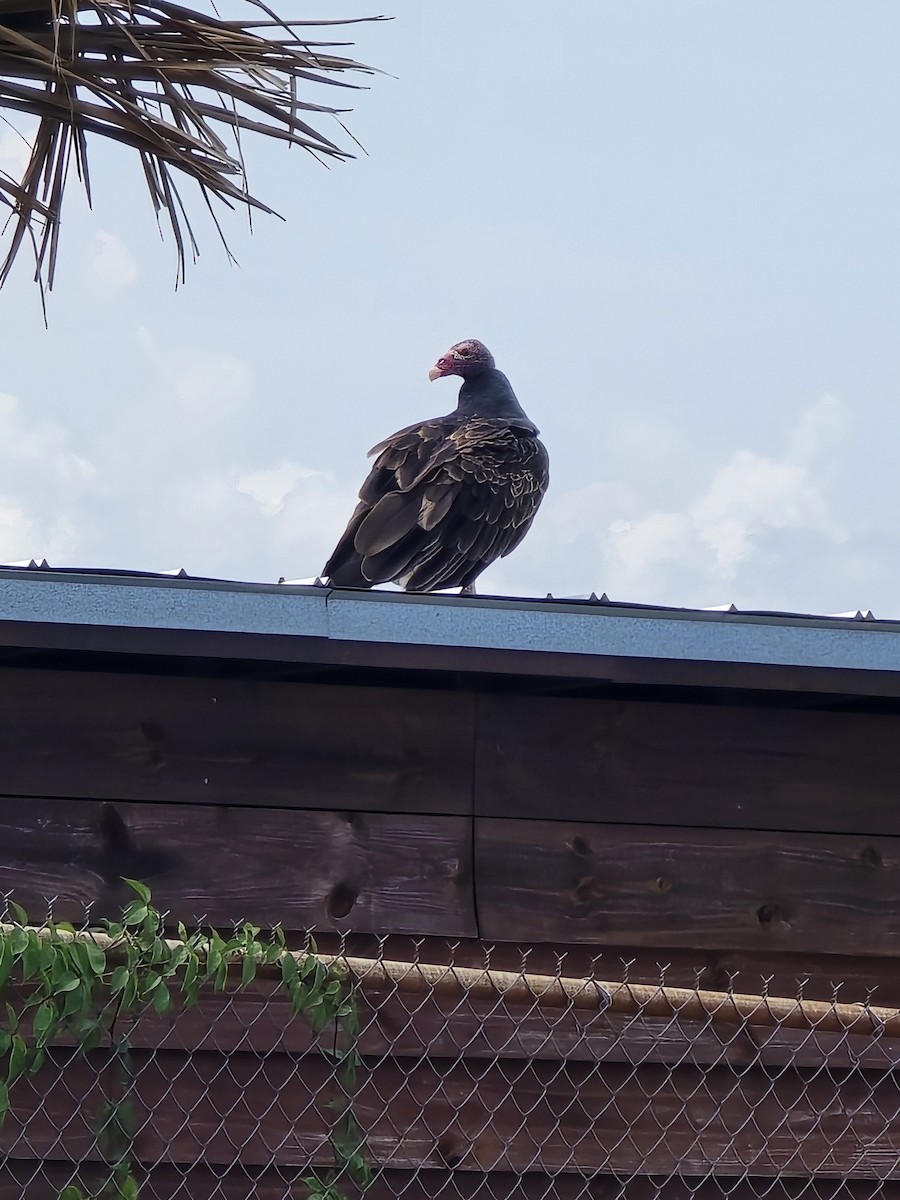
443, 500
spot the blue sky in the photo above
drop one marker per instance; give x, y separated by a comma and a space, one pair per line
675, 223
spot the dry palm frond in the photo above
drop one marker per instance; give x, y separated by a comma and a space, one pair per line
164, 80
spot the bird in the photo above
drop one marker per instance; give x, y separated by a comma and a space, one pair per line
447, 497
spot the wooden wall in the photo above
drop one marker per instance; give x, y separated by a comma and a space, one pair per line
474, 1100
702, 836
601, 822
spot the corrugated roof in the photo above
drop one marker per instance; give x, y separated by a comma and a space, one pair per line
585, 636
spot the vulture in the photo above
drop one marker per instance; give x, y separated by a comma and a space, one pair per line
447, 497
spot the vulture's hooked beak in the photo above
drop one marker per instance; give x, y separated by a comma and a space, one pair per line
441, 368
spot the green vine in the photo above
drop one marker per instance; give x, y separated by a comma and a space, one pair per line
81, 986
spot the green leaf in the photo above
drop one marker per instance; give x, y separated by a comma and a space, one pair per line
72, 1192
177, 958
37, 1061
221, 975
17, 1058
6, 959
33, 957
78, 999
43, 1023
18, 939
248, 971
190, 986
134, 914
90, 1039
120, 977
96, 957
150, 931
159, 951
350, 1020
128, 1188
130, 991
151, 982
57, 964
140, 889
213, 961
162, 999
18, 912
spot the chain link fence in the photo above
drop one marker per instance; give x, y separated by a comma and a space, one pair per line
467, 1082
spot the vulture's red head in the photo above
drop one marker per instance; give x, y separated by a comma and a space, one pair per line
467, 358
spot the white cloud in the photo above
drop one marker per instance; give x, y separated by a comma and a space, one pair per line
177, 476
15, 149
44, 481
271, 487
750, 496
727, 533
820, 428
113, 265
17, 532
659, 538
723, 528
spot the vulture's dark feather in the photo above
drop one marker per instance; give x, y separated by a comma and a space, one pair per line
447, 497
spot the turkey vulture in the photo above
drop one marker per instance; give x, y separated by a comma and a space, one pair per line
447, 497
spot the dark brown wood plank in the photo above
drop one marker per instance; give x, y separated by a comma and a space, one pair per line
701, 888
849, 977
508, 1116
305, 869
131, 737
259, 1021
42, 1180
642, 762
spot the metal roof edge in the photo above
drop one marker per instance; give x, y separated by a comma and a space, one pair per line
576, 628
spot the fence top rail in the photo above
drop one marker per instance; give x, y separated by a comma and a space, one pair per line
587, 994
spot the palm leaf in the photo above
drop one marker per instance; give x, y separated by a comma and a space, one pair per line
175, 85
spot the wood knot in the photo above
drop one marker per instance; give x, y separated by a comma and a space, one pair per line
870, 857
118, 857
772, 914
451, 1150
340, 900
153, 732
580, 846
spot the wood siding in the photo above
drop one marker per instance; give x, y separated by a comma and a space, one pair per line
411, 810
693, 839
206, 1107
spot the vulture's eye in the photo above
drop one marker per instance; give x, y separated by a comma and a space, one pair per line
464, 352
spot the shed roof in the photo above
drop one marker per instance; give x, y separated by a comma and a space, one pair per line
173, 613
